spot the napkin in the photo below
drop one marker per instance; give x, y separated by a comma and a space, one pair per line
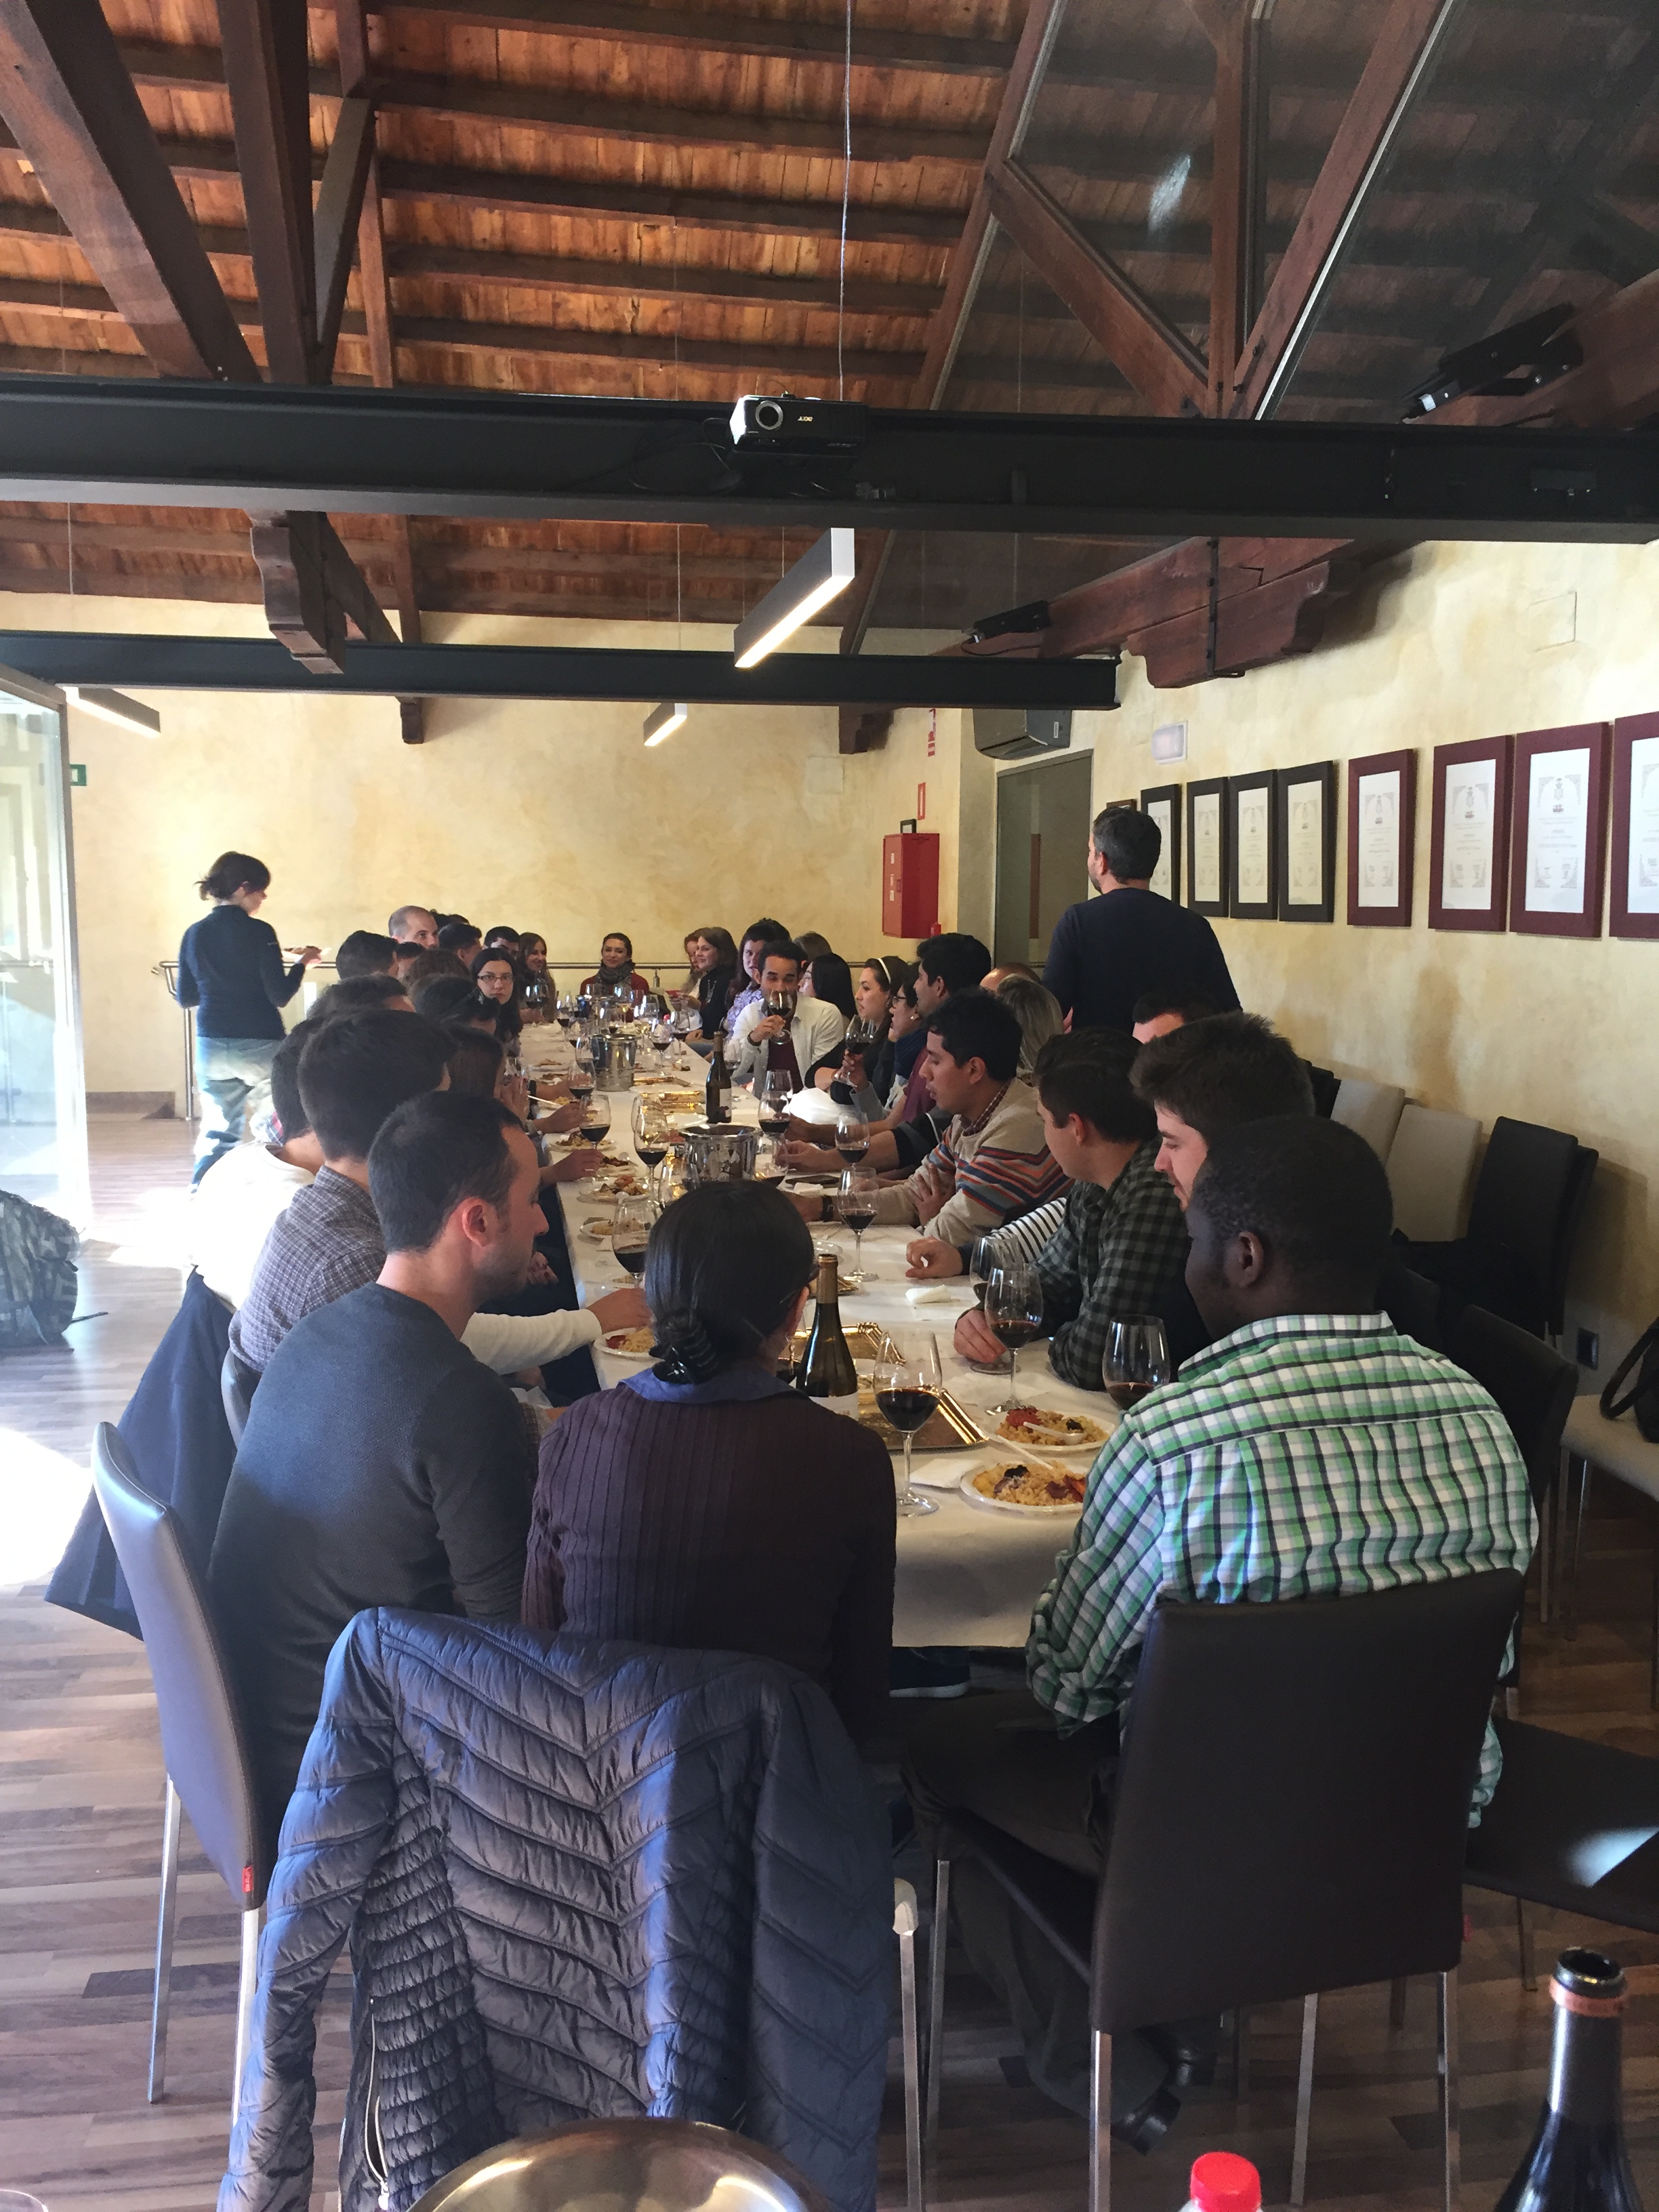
933, 1294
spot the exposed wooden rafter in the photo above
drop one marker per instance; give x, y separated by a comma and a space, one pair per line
67, 96
266, 69
1615, 386
1237, 215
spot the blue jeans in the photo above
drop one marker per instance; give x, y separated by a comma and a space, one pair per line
233, 1075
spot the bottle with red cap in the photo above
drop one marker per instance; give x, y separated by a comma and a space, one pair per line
1223, 2182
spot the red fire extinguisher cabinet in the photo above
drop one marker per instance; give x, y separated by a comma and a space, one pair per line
910, 885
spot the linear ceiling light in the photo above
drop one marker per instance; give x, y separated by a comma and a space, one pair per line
662, 721
795, 598
114, 707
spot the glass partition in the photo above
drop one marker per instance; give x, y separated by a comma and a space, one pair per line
43, 1125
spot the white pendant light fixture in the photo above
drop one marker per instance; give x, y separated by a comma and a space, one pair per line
813, 581
114, 707
662, 721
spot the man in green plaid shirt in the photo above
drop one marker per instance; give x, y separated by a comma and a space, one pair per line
1310, 1451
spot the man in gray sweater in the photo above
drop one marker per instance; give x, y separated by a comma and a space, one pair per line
382, 1465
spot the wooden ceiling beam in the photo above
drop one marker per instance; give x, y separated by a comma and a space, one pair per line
66, 95
658, 352
266, 72
339, 216
1616, 386
1238, 197
654, 280
1410, 36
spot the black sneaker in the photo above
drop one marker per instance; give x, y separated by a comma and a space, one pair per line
935, 1671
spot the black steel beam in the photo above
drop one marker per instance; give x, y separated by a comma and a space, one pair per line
441, 452
145, 663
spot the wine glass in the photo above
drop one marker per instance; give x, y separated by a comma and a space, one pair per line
650, 1130
596, 1116
1013, 1308
855, 1206
1136, 1359
630, 1232
769, 1162
852, 1138
907, 1380
980, 1260
773, 1092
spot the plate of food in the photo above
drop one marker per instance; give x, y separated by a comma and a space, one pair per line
597, 1227
620, 1183
630, 1343
1025, 1485
1033, 1426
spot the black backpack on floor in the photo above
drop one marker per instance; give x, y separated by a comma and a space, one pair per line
38, 1281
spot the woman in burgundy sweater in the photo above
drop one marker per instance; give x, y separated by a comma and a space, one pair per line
703, 1505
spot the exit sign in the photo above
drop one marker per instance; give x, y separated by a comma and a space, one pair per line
77, 772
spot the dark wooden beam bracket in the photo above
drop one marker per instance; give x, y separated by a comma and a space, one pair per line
315, 594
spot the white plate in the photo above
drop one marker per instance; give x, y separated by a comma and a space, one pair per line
639, 1358
965, 1485
991, 1423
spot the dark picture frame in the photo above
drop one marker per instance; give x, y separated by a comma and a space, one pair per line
1529, 854
1304, 845
1199, 794
1372, 848
1252, 835
1632, 818
1475, 754
1168, 794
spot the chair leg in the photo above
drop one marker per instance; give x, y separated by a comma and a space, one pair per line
1548, 1505
1575, 1551
161, 2001
1450, 2093
246, 1983
1099, 2122
1304, 2099
904, 1923
1524, 1945
936, 1949
1397, 2003
1241, 2055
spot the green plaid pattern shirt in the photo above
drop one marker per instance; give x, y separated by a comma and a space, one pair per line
1310, 1455
1119, 1250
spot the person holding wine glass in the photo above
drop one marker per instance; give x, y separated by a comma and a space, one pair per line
1121, 1245
781, 1030
862, 1070
1010, 1318
1262, 1474
703, 1503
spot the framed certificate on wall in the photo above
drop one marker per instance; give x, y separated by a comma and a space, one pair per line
1558, 830
1253, 816
1469, 837
1163, 805
1633, 906
1306, 814
1382, 840
1209, 846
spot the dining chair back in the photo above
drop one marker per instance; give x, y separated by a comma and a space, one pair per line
1532, 1384
202, 1737
1371, 1111
1430, 1162
1528, 1200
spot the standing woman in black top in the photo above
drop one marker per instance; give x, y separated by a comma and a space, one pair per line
231, 971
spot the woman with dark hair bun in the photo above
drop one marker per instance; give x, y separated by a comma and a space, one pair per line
231, 971
704, 1505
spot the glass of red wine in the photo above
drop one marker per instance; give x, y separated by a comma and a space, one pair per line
774, 1091
1013, 1309
856, 1207
651, 1131
596, 1115
852, 1138
907, 1380
1136, 1359
630, 1232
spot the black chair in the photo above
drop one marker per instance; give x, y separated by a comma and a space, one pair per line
1574, 1826
1534, 1388
202, 1739
1528, 1202
237, 1385
1343, 1738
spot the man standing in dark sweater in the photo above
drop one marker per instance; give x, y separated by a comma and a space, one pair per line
1106, 953
382, 1465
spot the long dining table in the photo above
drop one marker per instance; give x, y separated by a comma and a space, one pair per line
970, 1573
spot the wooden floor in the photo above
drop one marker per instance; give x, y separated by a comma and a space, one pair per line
81, 1785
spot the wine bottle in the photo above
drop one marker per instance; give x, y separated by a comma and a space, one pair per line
716, 1093
1579, 2162
827, 1373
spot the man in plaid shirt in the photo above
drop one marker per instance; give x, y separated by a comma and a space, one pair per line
1310, 1451
1121, 1246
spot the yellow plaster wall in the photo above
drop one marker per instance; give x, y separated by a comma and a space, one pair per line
1449, 643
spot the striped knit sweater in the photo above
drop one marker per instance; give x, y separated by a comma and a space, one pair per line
1000, 1169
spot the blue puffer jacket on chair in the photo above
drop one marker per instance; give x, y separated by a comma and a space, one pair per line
580, 1881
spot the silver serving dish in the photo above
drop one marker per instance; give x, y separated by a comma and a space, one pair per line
613, 1052
725, 1153
625, 2165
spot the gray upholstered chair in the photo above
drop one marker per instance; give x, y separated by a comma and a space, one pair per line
202, 1739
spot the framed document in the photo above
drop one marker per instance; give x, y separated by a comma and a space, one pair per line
1470, 837
1634, 904
1382, 838
1209, 846
1163, 805
1253, 882
1306, 818
1559, 828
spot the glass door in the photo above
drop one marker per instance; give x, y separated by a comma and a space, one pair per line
1042, 840
43, 1119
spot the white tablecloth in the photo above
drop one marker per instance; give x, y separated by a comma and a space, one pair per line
967, 1574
